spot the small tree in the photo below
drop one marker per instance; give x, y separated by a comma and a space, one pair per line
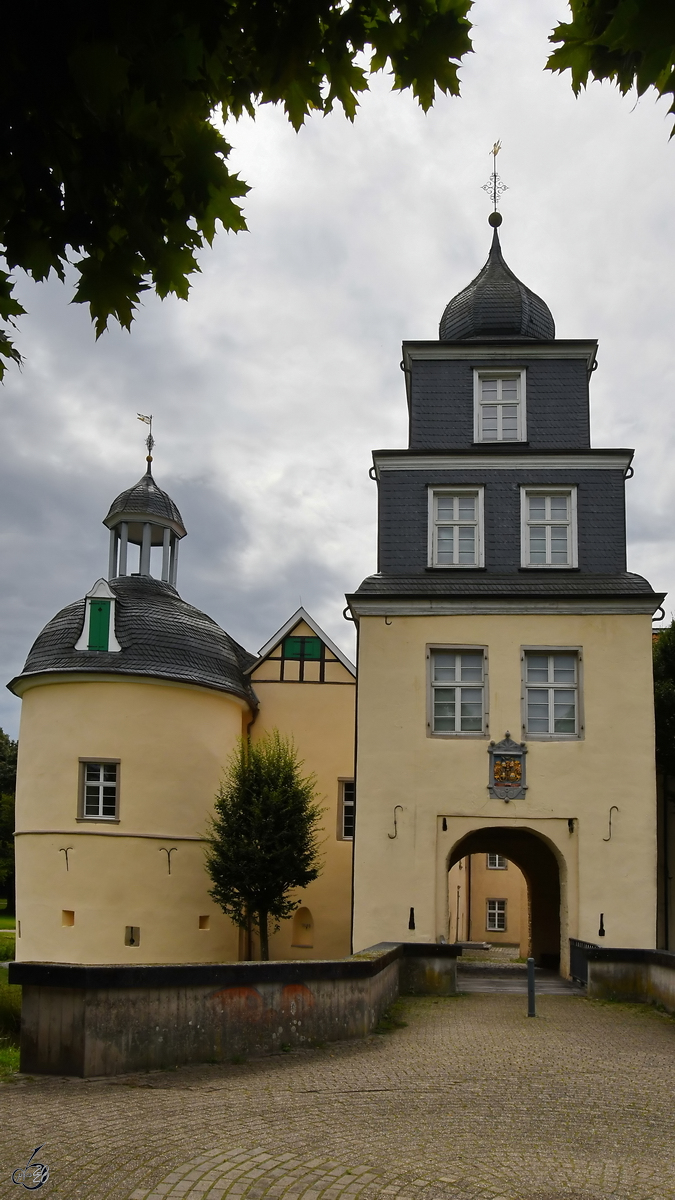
263, 840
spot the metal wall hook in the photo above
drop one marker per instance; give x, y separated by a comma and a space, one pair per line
168, 854
395, 833
64, 850
614, 808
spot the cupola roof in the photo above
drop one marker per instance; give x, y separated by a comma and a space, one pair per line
496, 305
145, 501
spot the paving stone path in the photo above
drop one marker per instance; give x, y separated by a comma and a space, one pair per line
470, 1100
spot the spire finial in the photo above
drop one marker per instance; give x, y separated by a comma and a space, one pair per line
495, 187
149, 441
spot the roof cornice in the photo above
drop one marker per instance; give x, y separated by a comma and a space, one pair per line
524, 459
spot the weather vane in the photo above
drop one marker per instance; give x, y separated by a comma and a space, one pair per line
495, 187
149, 441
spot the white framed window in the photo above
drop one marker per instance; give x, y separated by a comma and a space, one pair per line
499, 406
346, 809
458, 686
497, 862
99, 789
496, 915
549, 527
456, 527
552, 692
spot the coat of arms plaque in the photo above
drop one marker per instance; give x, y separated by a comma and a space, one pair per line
507, 769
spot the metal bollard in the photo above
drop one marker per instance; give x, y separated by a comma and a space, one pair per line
531, 1011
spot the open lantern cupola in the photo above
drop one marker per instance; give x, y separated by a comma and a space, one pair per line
144, 516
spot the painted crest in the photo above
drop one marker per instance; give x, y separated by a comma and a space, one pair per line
507, 769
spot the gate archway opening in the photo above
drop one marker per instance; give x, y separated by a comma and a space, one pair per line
540, 867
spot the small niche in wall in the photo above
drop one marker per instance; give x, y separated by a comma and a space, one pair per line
303, 929
67, 916
132, 935
204, 922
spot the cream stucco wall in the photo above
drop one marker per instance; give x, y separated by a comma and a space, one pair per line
320, 718
172, 742
433, 777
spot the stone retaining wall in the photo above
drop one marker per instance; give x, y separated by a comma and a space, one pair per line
106, 1020
640, 976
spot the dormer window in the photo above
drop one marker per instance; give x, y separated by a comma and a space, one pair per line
98, 631
499, 406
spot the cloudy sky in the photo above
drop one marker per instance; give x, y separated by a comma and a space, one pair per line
272, 385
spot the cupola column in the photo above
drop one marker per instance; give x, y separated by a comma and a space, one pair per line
112, 556
166, 545
124, 543
144, 566
173, 570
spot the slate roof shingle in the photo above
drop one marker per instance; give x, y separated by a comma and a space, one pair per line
161, 636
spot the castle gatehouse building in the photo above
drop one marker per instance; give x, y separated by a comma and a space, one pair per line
505, 701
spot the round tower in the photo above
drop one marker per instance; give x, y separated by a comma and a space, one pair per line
132, 701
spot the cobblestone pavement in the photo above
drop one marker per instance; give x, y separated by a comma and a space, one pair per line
471, 1100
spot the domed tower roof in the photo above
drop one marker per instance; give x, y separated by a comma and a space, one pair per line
159, 635
145, 500
496, 305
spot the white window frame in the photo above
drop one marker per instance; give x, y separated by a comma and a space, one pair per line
481, 373
577, 651
496, 928
457, 733
342, 836
434, 493
82, 814
500, 865
528, 490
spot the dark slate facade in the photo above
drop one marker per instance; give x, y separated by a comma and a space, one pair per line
497, 325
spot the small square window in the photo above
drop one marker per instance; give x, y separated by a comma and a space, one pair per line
496, 916
499, 406
457, 700
346, 810
497, 862
99, 790
303, 649
456, 528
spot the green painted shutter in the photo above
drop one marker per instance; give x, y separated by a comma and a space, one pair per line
99, 624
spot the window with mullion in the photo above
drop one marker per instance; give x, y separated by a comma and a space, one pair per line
499, 417
496, 915
100, 790
457, 691
549, 536
551, 694
457, 536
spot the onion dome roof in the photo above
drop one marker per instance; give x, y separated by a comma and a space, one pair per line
145, 501
496, 305
161, 637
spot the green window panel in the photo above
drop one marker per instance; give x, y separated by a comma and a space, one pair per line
302, 648
99, 624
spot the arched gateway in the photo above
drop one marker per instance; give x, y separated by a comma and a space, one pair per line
538, 862
502, 603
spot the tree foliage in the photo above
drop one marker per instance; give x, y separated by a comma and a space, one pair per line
8, 752
664, 699
263, 839
109, 157
630, 42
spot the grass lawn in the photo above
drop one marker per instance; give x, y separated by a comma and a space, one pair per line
10, 1024
7, 922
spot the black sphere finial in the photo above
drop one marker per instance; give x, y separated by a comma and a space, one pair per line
495, 219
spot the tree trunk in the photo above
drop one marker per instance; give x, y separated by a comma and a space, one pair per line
264, 941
